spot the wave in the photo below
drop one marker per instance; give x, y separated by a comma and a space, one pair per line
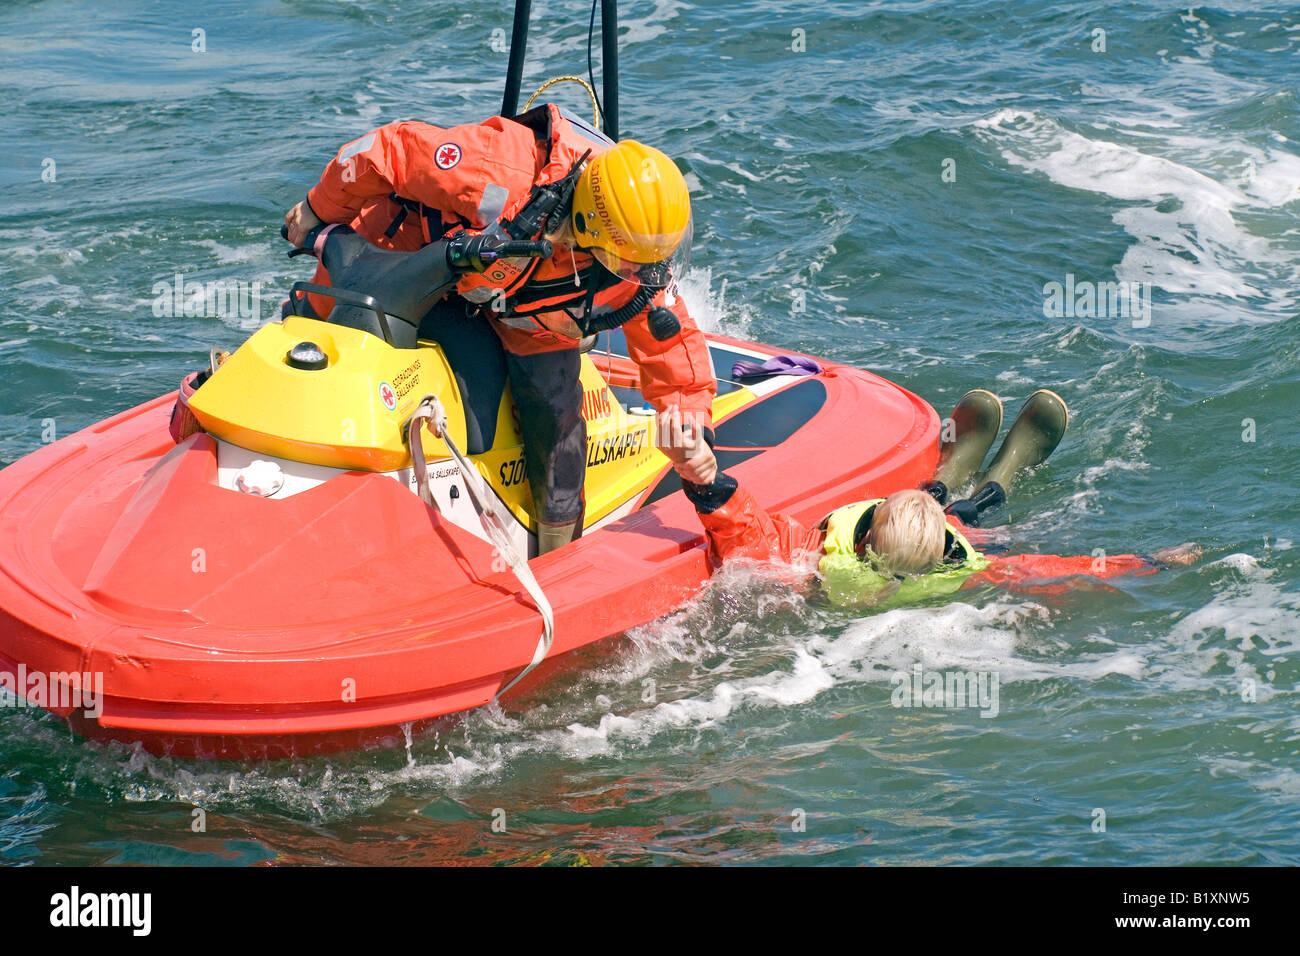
1197, 233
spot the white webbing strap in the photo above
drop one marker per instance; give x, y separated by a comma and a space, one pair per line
431, 414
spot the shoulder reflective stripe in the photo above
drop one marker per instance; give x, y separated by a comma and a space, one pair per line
358, 146
528, 324
493, 203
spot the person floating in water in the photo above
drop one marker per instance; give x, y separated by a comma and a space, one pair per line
906, 547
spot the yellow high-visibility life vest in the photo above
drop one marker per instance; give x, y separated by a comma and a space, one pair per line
848, 579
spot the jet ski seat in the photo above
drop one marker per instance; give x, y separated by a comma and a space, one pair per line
405, 284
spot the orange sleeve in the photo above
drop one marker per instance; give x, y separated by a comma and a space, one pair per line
677, 371
474, 172
1019, 569
741, 528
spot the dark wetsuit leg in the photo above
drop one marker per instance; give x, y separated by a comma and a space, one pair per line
548, 394
478, 362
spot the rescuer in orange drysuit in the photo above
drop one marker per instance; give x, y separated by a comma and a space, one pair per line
620, 244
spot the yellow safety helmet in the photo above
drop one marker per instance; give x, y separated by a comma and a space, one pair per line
632, 211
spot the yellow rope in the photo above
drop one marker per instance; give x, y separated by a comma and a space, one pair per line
595, 110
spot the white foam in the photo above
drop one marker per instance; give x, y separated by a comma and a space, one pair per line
1012, 377
1260, 775
710, 308
962, 636
1070, 159
1190, 243
367, 109
560, 43
959, 636
227, 255
1248, 623
1253, 614
1276, 180
40, 291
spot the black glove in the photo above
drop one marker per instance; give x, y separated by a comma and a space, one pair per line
990, 497
474, 252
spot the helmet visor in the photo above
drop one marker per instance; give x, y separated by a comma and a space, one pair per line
671, 263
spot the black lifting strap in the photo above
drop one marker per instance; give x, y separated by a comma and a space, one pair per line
408, 206
396, 223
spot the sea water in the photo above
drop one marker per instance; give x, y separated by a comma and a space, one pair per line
904, 186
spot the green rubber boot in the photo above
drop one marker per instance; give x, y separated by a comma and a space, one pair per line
553, 536
967, 436
1034, 435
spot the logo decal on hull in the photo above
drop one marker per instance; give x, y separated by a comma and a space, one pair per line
387, 396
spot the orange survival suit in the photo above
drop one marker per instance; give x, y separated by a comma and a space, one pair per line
738, 527
407, 184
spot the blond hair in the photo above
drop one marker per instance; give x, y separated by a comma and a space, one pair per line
907, 532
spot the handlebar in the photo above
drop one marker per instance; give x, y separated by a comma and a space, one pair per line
474, 253
308, 241
526, 248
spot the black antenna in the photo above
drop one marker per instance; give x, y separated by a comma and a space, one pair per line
609, 65
518, 46
608, 61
